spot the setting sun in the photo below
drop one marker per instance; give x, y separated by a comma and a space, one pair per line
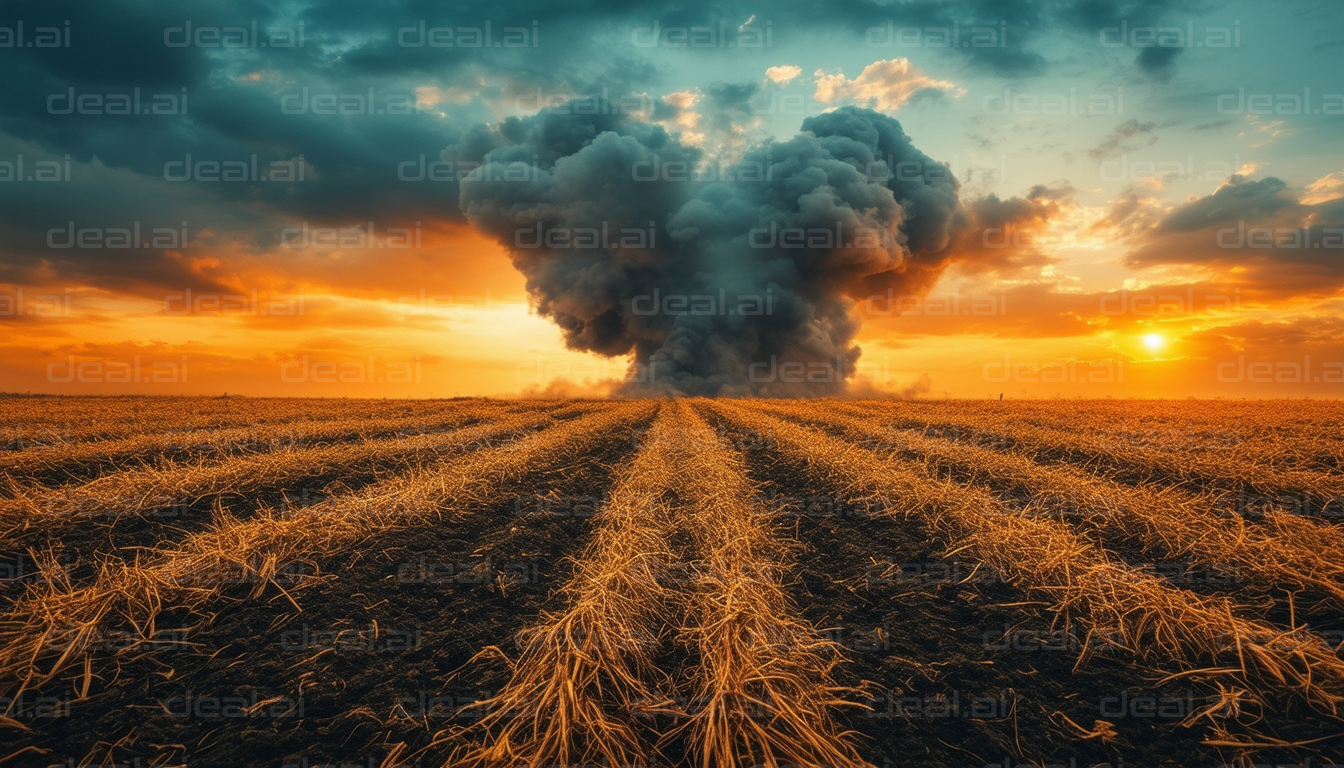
1154, 341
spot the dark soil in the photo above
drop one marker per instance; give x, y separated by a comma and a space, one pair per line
366, 664
183, 444
1206, 579
965, 674
956, 667
77, 542
1246, 498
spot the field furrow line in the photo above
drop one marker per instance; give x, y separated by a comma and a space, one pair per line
25, 468
1164, 521
584, 671
44, 423
1114, 604
140, 491
1250, 487
1294, 427
57, 624
762, 692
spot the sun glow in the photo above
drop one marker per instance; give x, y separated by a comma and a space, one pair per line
1154, 341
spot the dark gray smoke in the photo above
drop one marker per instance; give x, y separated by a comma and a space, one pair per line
740, 282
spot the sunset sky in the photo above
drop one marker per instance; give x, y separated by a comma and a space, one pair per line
1149, 196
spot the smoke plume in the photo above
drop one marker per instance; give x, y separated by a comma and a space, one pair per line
736, 281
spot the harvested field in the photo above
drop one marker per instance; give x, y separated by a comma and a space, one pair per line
707, 583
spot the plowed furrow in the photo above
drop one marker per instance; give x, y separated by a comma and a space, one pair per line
1164, 522
1245, 485
54, 625
1082, 583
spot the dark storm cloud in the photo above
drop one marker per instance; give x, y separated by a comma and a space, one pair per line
118, 52
350, 47
1240, 199
1257, 232
626, 259
85, 236
368, 166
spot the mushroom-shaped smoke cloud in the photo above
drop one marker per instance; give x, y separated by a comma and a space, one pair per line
738, 282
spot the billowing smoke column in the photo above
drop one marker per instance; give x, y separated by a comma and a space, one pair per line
740, 284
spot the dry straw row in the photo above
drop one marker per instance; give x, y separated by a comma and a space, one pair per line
1246, 472
185, 483
139, 451
57, 625
1107, 600
586, 687
1164, 521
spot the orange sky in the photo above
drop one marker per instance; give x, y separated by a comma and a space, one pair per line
452, 318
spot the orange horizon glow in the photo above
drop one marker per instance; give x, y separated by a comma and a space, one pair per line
466, 329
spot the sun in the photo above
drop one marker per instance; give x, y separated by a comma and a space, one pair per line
1154, 341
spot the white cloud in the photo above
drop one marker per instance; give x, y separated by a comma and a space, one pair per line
1328, 187
783, 73
884, 85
